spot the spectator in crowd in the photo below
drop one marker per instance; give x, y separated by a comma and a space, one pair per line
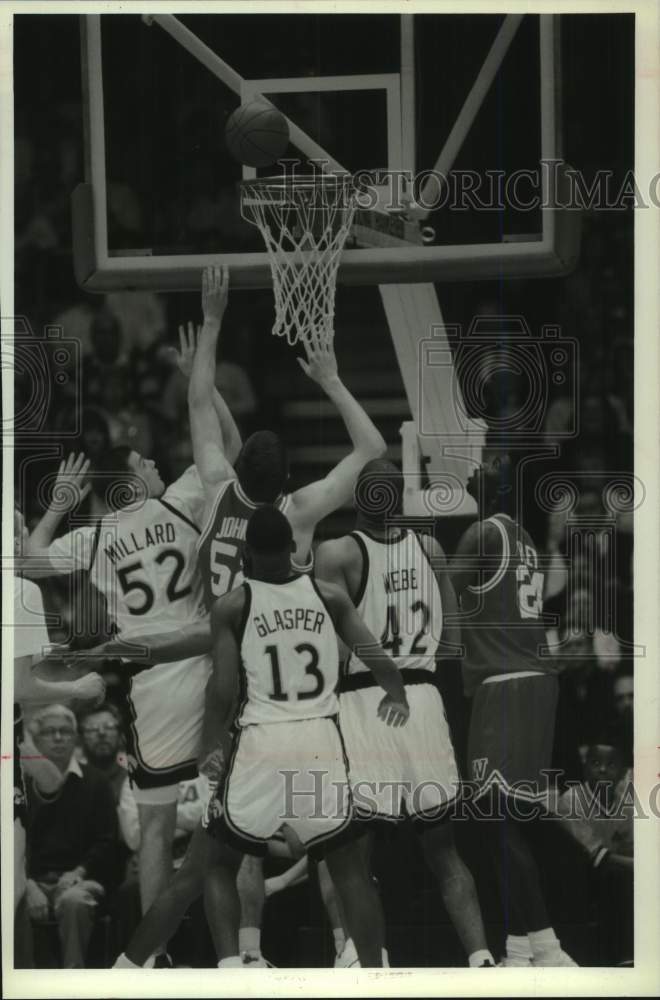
598, 814
102, 743
71, 839
101, 739
623, 721
585, 691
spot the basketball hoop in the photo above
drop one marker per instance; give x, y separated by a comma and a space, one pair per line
304, 221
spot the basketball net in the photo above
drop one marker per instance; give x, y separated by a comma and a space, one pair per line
304, 221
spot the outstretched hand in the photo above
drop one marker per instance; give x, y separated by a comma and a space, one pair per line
69, 489
184, 357
393, 712
215, 292
321, 363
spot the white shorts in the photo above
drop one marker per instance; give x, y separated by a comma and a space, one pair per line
395, 771
285, 772
167, 710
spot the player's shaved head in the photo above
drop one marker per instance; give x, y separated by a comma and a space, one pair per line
269, 532
379, 491
261, 467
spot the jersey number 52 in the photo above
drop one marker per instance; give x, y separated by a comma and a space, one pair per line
174, 591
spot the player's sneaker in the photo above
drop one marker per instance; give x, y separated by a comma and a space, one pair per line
515, 962
556, 958
163, 961
348, 959
255, 960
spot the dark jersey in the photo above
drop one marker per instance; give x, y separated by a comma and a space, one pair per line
220, 548
502, 628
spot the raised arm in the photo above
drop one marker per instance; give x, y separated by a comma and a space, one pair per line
68, 492
231, 436
314, 502
393, 709
208, 435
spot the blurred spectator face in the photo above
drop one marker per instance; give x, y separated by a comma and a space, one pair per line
623, 696
579, 610
589, 505
56, 736
603, 768
100, 737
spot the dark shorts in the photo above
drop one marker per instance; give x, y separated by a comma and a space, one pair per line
511, 734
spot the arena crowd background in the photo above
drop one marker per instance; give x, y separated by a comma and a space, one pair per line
131, 393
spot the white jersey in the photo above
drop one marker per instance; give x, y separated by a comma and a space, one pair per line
144, 560
289, 653
399, 600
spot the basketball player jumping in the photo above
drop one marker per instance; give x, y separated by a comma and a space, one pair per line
398, 582
277, 631
496, 574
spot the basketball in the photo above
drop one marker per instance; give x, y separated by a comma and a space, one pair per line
257, 134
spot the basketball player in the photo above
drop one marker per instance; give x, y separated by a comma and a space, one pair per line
278, 632
496, 574
398, 582
142, 557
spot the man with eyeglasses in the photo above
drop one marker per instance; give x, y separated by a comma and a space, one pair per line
71, 838
101, 740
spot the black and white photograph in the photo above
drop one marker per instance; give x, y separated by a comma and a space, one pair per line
330, 466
